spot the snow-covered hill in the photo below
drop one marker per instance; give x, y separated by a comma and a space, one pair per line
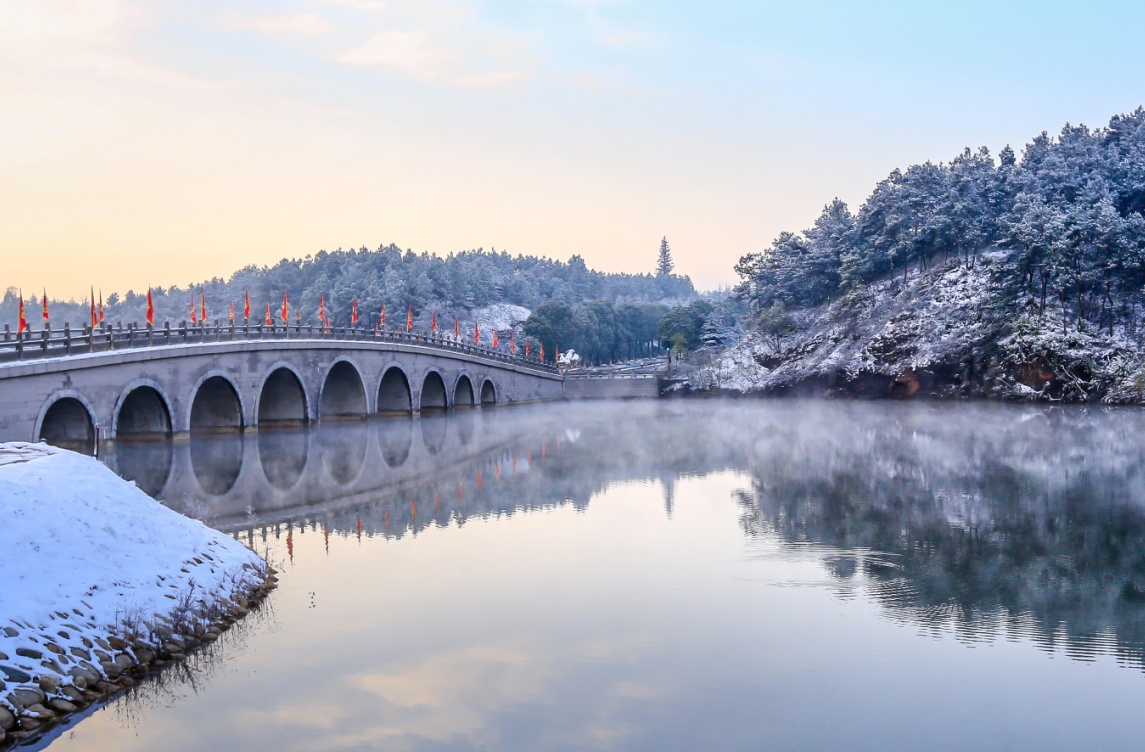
945, 332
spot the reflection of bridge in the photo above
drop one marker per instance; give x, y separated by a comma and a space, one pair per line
118, 384
233, 478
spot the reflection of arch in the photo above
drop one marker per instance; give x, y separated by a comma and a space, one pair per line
66, 421
463, 393
343, 392
488, 393
147, 463
465, 423
395, 438
394, 392
433, 393
343, 450
143, 410
283, 456
216, 461
282, 398
433, 431
216, 404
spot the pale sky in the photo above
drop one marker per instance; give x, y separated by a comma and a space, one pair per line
167, 142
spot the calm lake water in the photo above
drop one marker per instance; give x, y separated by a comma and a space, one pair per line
678, 575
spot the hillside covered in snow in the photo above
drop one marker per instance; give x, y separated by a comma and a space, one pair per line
1014, 278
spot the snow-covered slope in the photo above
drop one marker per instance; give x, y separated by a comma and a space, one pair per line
93, 573
943, 332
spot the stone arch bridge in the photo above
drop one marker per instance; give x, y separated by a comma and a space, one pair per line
80, 390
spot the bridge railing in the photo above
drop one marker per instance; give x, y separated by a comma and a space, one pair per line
63, 343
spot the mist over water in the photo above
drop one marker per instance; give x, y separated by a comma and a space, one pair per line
666, 575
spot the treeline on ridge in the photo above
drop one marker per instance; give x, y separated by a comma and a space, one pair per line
1070, 214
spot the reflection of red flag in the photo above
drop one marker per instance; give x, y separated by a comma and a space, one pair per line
150, 308
495, 345
285, 309
382, 323
268, 322
476, 333
354, 313
409, 319
194, 312
246, 306
433, 322
289, 541
44, 302
21, 321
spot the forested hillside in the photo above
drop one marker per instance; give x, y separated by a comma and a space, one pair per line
503, 286
1007, 276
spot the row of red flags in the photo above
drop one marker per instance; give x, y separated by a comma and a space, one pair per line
200, 314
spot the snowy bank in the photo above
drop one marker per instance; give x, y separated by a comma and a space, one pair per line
98, 582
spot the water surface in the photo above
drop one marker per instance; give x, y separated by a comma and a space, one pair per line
666, 576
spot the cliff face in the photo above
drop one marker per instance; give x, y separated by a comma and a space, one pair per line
947, 332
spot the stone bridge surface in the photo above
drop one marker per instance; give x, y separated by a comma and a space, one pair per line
80, 400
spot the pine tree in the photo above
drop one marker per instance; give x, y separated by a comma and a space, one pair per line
664, 264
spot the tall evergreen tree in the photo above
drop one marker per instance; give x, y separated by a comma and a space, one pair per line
664, 265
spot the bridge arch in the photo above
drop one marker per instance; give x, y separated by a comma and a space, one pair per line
343, 393
394, 396
142, 410
282, 399
488, 393
216, 403
463, 392
433, 395
67, 420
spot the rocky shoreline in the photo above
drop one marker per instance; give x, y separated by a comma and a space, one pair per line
74, 676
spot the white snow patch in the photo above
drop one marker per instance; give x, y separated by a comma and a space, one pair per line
83, 552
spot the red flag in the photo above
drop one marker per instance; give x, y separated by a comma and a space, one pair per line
542, 351
232, 311
202, 305
409, 319
433, 322
285, 309
21, 321
456, 328
383, 321
476, 333
513, 342
194, 313
298, 315
101, 306
268, 314
150, 308
354, 313
94, 315
246, 306
322, 309
45, 306
527, 353
494, 339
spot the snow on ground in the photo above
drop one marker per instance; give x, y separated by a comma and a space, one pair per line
935, 318
88, 560
500, 316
